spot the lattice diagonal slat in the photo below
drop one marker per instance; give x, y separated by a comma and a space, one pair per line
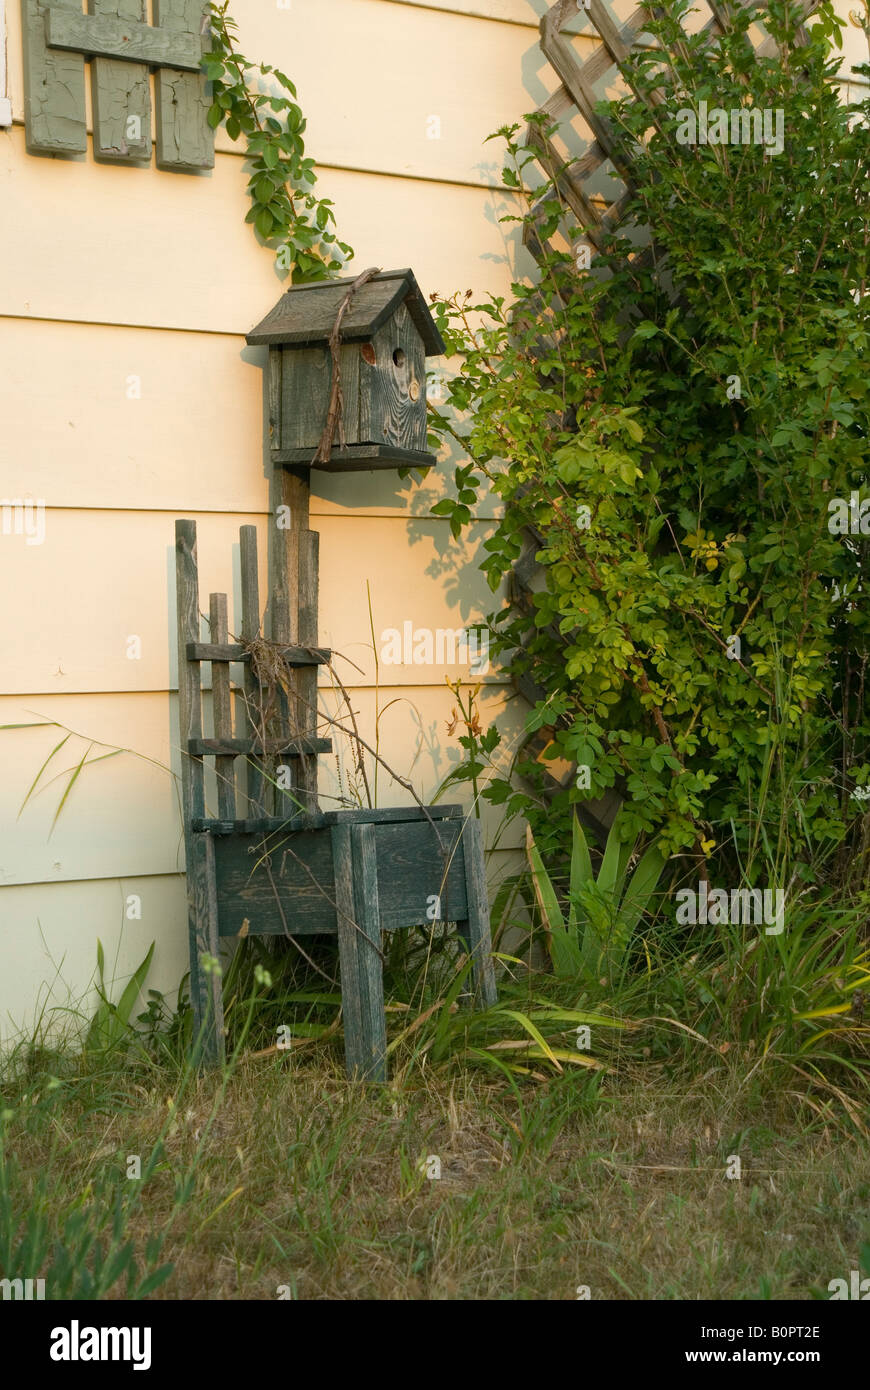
597, 213
598, 210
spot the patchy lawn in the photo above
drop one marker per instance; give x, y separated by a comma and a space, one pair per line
294, 1184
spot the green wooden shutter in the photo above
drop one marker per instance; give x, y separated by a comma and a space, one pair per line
123, 50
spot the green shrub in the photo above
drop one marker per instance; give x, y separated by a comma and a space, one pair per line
673, 430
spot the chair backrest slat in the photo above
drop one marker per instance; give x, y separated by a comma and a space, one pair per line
222, 708
291, 736
189, 688
259, 804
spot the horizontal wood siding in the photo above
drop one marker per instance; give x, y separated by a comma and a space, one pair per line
411, 570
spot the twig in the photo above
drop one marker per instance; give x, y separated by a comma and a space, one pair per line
360, 763
336, 399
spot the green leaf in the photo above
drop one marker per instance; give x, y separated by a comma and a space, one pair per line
643, 883
562, 943
616, 856
533, 1031
133, 988
544, 890
154, 1280
70, 784
565, 954
111, 1022
40, 724
285, 82
56, 749
581, 863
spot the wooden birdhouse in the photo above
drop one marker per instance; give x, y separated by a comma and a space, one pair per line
374, 416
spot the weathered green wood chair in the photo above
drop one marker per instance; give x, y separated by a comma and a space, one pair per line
276, 870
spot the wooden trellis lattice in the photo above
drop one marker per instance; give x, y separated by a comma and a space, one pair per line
580, 178
576, 95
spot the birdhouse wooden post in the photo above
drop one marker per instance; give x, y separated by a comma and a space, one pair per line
347, 392
373, 413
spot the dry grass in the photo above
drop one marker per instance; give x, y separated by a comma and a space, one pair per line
304, 1182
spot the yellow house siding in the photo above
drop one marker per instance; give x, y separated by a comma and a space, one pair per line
97, 417
75, 636
167, 250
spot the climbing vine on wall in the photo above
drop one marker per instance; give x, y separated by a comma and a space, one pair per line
285, 210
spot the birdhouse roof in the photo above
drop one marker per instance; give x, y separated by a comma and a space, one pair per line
306, 314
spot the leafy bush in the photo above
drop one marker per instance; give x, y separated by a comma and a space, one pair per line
672, 430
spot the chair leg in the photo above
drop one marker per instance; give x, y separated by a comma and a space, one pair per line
477, 934
359, 947
205, 986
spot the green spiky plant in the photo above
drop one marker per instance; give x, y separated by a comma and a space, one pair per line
603, 913
110, 1025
